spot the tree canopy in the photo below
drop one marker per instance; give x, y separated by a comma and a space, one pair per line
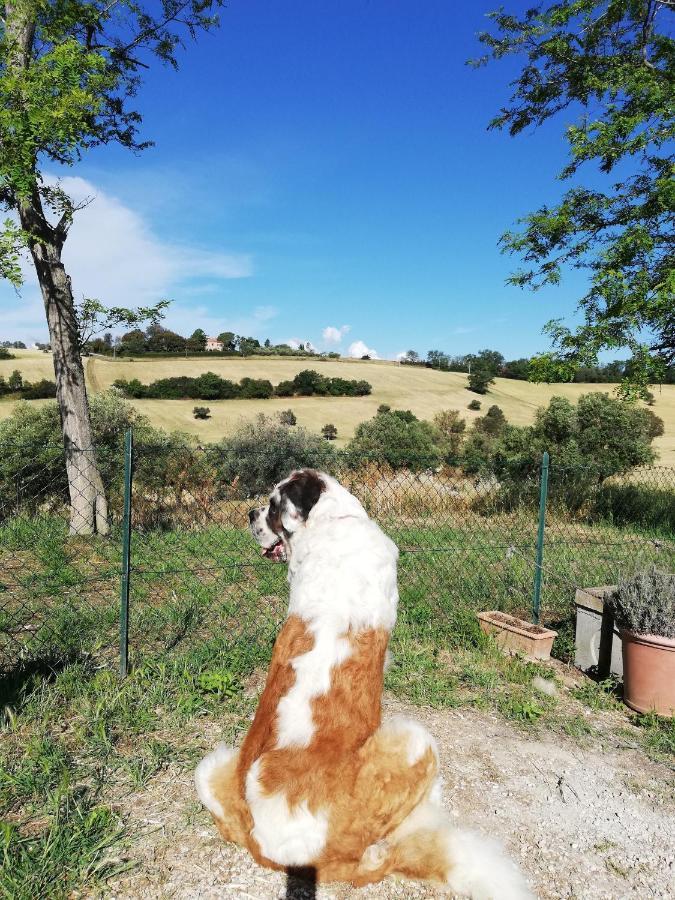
607, 67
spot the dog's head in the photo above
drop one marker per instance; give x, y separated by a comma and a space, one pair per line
290, 504
304, 493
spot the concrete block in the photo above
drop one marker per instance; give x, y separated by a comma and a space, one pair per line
597, 640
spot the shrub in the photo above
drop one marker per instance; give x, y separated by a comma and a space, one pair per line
15, 381
645, 603
654, 424
5, 354
32, 466
493, 422
288, 417
451, 427
405, 414
478, 453
262, 452
330, 432
201, 412
285, 389
480, 378
209, 386
614, 433
255, 389
635, 504
383, 408
308, 383
475, 404
39, 390
588, 443
397, 438
132, 388
602, 435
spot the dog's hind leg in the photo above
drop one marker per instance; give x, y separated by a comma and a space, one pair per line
394, 772
217, 785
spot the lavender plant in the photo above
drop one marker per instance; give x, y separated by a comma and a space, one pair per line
645, 603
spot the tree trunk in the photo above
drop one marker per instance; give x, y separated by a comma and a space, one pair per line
88, 505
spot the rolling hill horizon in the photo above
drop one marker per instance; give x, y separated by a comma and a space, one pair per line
424, 391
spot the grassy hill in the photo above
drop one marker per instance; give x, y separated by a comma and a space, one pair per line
423, 391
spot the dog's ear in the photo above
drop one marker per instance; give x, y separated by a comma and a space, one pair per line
299, 496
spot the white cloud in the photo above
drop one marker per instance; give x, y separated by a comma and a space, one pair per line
114, 255
332, 335
295, 343
357, 349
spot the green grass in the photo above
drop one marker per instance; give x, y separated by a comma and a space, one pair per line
205, 609
71, 850
657, 735
74, 744
598, 695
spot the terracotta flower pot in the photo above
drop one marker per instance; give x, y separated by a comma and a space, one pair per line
648, 673
518, 636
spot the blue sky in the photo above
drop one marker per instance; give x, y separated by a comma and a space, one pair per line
321, 164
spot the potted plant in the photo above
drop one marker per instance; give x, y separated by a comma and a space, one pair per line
644, 609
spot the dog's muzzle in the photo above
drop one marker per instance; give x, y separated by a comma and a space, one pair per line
272, 547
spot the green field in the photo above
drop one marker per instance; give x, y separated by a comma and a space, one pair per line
78, 741
423, 391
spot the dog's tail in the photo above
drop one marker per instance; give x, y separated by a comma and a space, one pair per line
427, 846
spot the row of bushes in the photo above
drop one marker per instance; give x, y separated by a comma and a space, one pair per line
210, 386
170, 469
44, 389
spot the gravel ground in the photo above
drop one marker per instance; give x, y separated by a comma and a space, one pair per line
594, 822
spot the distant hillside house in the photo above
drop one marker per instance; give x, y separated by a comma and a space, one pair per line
213, 344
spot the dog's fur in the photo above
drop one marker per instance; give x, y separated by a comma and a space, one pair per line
319, 781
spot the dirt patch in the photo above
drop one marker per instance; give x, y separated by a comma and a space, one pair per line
594, 823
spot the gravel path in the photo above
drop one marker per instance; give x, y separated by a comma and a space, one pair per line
594, 822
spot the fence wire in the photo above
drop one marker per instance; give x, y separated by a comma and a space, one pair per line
467, 543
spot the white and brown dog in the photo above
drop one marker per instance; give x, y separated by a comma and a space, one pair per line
319, 781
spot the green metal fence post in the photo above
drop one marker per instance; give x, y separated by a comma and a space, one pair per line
126, 554
543, 493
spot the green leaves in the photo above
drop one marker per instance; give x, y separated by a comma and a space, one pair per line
69, 71
609, 66
49, 108
12, 242
93, 317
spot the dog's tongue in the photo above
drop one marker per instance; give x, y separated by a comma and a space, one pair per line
276, 552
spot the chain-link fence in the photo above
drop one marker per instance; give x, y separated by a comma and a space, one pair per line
181, 553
